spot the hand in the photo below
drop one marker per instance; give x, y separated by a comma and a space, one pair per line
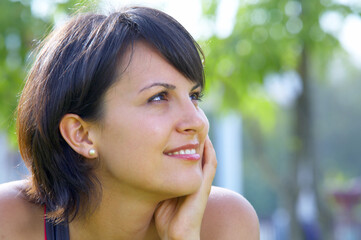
181, 218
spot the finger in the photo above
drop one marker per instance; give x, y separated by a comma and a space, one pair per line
166, 208
197, 201
210, 162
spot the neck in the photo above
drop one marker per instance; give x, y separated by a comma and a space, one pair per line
120, 215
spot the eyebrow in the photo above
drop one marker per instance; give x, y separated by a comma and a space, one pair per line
195, 86
165, 85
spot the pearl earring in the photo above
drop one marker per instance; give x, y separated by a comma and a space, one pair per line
92, 152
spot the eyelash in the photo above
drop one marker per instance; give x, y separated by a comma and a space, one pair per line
195, 96
163, 95
198, 96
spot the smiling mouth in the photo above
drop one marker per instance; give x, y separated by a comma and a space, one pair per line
183, 152
187, 152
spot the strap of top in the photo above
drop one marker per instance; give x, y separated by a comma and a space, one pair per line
54, 231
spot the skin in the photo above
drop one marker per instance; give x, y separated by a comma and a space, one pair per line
147, 194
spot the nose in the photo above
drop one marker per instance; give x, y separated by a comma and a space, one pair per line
191, 119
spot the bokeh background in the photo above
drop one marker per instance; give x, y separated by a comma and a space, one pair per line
282, 96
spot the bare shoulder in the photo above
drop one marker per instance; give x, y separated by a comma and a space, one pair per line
229, 215
19, 219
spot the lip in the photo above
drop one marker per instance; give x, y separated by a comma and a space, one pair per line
184, 147
192, 157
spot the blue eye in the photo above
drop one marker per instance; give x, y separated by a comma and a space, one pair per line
196, 96
162, 96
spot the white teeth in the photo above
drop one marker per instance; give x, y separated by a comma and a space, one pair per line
183, 152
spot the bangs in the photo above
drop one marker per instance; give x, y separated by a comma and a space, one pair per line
171, 39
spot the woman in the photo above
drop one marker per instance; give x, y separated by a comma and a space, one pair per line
110, 128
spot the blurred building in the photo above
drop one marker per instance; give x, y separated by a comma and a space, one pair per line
11, 165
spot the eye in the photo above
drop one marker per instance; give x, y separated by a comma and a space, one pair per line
162, 96
196, 96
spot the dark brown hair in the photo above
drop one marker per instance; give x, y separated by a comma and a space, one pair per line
75, 66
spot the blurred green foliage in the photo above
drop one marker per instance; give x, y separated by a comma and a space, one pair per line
20, 32
268, 37
276, 37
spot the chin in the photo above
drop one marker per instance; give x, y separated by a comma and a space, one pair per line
185, 185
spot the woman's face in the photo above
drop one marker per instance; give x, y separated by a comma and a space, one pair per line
152, 134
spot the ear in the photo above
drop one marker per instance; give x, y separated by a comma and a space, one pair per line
75, 131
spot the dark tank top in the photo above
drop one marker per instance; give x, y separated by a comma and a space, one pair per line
52, 231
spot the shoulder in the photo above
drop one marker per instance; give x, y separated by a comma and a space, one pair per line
228, 215
19, 219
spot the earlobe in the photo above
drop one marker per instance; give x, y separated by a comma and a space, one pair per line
75, 132
92, 152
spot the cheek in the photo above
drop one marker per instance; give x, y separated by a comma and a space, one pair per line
146, 133
148, 127
130, 146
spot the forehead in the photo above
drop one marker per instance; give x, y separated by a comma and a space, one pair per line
145, 65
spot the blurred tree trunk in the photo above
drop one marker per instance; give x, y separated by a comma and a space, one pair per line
305, 171
302, 142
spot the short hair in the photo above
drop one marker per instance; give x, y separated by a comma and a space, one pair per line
75, 66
